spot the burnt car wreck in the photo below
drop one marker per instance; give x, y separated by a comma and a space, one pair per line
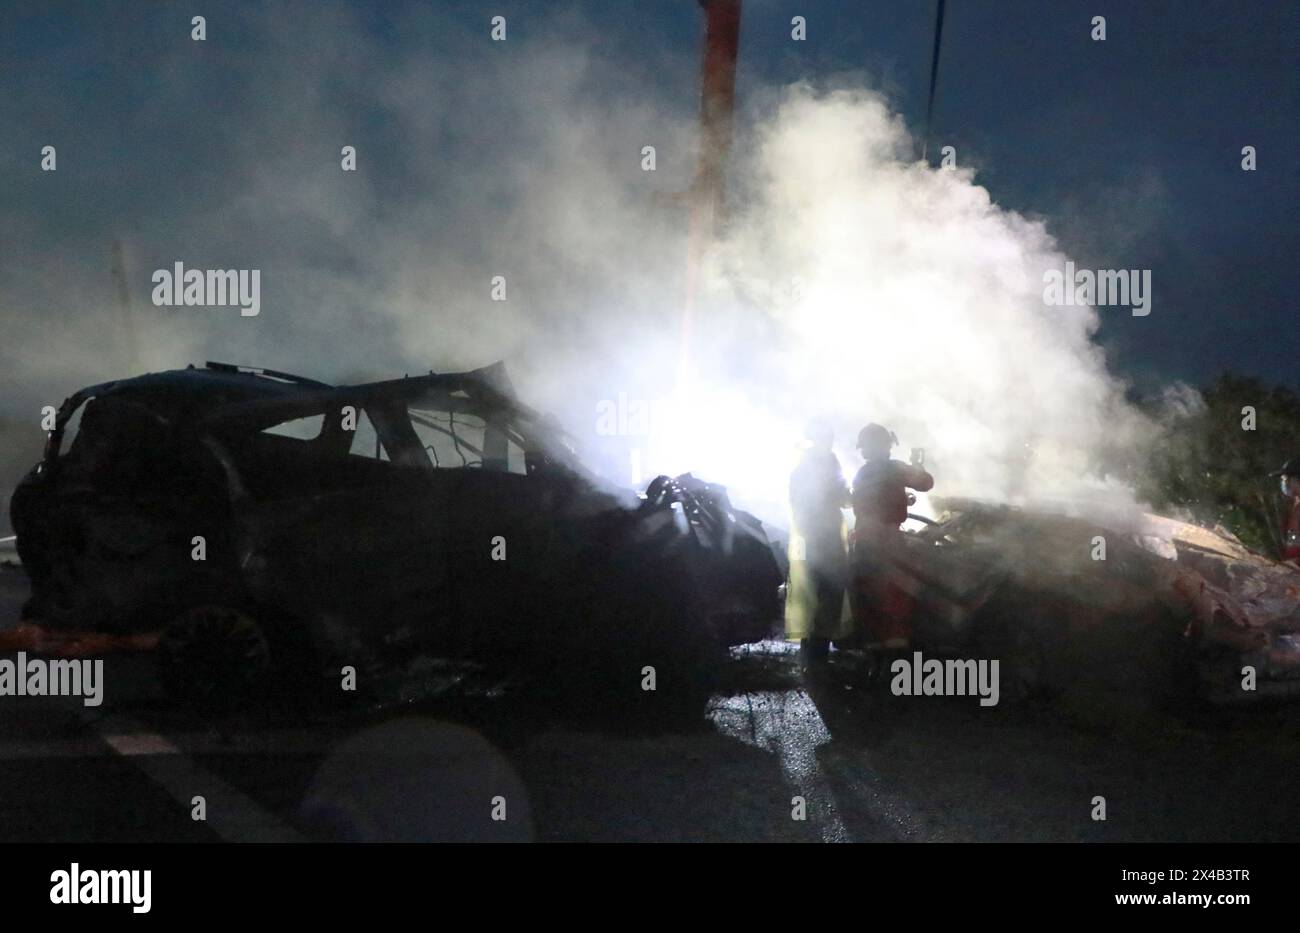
1169, 610
242, 521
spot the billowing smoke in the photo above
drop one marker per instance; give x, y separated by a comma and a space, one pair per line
894, 292
849, 281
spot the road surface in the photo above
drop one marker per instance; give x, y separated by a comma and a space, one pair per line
780, 756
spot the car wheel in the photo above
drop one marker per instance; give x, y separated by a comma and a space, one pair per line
1024, 633
1019, 646
213, 656
1025, 664
1217, 674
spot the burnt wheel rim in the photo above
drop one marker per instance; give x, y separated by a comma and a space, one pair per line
212, 653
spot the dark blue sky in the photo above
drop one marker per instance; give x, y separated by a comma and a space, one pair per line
1128, 148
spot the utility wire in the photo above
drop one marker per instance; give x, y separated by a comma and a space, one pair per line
934, 77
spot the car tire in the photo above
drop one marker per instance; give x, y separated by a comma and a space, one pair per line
214, 656
1024, 637
1027, 665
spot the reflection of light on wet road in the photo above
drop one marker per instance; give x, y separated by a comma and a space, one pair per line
837, 779
786, 723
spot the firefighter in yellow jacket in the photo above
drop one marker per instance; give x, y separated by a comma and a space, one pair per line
816, 610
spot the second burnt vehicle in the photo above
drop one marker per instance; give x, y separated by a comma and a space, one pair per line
1166, 611
241, 520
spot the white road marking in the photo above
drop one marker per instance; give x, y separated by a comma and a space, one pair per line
279, 741
231, 814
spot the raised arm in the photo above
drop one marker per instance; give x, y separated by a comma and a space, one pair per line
917, 478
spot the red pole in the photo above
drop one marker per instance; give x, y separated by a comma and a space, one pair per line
717, 100
717, 97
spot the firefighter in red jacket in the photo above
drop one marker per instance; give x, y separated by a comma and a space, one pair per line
880, 501
1290, 481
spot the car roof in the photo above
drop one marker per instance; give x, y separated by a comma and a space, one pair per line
199, 390
226, 388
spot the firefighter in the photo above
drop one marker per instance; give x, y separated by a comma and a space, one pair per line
880, 500
816, 611
1290, 482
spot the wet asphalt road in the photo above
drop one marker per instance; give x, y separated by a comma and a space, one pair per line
868, 767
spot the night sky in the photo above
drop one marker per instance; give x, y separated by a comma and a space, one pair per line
1129, 148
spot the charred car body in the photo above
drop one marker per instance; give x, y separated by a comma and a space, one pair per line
251, 517
1168, 609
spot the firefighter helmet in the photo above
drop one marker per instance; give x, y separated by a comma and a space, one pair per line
876, 437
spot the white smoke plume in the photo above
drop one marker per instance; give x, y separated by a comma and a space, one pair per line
900, 293
850, 281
